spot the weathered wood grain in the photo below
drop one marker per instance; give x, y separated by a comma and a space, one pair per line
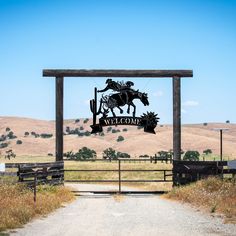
59, 118
117, 73
176, 118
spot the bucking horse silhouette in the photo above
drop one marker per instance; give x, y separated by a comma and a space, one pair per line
117, 100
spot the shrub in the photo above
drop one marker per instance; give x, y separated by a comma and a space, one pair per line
18, 142
125, 130
120, 139
44, 135
191, 156
11, 135
86, 120
26, 133
227, 122
139, 127
207, 151
205, 124
109, 129
67, 129
81, 128
80, 134
77, 120
33, 133
165, 155
3, 145
87, 133
101, 134
122, 155
144, 156
3, 138
113, 131
8, 129
50, 154
69, 155
10, 154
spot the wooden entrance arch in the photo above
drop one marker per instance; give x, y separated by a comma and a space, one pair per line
176, 76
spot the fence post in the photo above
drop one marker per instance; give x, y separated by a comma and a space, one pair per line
119, 177
35, 185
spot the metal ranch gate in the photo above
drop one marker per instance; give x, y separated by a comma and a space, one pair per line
165, 175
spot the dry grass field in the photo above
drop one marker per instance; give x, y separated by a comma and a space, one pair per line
18, 207
213, 194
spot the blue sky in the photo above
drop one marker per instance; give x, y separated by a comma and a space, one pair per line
197, 35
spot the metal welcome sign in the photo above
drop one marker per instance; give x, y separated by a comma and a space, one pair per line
148, 121
123, 94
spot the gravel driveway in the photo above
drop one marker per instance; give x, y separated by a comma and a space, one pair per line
106, 215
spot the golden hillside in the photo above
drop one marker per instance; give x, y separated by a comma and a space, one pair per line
136, 142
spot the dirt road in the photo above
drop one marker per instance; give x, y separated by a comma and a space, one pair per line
106, 215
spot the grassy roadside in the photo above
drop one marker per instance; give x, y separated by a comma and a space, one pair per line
213, 194
18, 208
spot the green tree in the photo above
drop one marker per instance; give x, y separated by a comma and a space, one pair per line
109, 154
85, 153
191, 156
207, 151
122, 155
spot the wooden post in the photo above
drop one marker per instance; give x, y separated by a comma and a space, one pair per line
221, 146
176, 118
59, 118
119, 176
95, 106
35, 185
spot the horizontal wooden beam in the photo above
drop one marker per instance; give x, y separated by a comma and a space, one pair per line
118, 73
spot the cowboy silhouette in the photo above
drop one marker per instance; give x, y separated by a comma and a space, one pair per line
117, 86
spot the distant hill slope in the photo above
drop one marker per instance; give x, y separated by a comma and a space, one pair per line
136, 142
